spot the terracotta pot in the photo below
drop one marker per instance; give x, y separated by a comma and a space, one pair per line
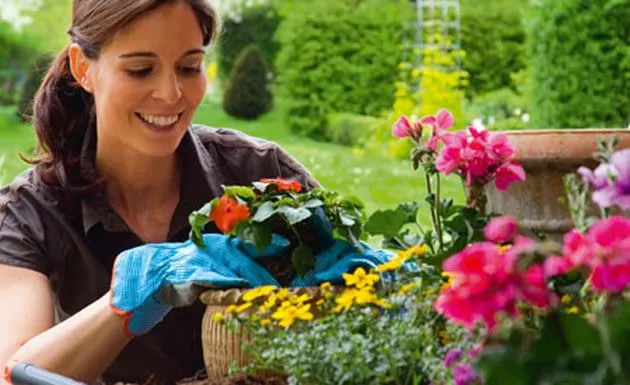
547, 155
222, 347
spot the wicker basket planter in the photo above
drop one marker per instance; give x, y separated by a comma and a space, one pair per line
222, 347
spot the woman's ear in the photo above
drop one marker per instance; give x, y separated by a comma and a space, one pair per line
80, 66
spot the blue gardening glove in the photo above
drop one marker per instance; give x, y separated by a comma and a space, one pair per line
149, 280
341, 258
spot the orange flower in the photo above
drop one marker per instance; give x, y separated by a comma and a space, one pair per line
284, 185
228, 213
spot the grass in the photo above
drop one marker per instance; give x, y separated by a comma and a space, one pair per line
378, 181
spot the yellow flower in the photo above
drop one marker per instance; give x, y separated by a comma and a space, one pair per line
566, 299
231, 309
243, 307
260, 291
217, 317
320, 302
288, 315
365, 296
360, 278
573, 310
345, 300
282, 293
265, 322
393, 264
325, 286
415, 250
405, 289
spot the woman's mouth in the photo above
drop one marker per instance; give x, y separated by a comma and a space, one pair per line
160, 123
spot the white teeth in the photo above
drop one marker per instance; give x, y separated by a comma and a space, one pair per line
160, 120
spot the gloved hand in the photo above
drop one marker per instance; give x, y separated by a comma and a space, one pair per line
342, 257
149, 280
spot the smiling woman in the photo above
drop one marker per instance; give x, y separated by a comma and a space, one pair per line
119, 169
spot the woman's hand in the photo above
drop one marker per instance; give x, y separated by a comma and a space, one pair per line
149, 280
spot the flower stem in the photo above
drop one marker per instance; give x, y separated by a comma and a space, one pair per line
437, 210
434, 216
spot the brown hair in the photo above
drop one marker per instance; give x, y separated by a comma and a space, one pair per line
63, 112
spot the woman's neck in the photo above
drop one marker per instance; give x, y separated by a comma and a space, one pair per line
138, 183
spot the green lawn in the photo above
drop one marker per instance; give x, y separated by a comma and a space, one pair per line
380, 182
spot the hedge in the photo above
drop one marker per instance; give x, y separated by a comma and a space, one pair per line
580, 63
338, 58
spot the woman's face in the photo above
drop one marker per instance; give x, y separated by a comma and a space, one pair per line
148, 82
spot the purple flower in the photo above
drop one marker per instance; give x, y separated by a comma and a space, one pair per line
597, 178
463, 374
452, 356
617, 190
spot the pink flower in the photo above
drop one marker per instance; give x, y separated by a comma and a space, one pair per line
501, 229
556, 265
508, 173
500, 147
441, 122
402, 128
534, 286
479, 156
606, 250
486, 282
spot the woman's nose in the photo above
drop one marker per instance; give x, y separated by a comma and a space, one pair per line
169, 89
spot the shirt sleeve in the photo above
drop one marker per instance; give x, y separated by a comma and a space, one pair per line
21, 233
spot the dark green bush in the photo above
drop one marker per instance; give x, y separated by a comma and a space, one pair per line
580, 63
33, 81
340, 58
258, 26
350, 129
248, 94
493, 38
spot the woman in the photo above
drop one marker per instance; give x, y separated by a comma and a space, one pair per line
122, 166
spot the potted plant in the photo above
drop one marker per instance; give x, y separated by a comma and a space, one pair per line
308, 222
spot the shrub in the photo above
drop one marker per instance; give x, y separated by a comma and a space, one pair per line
494, 40
339, 58
248, 94
422, 92
580, 63
257, 25
33, 81
350, 129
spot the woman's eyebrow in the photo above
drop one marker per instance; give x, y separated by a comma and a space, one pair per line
195, 51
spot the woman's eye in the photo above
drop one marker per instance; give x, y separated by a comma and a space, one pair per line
140, 72
190, 70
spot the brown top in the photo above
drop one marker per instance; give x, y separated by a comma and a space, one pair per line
76, 246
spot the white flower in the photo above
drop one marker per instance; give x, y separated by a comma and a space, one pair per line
491, 120
517, 111
525, 118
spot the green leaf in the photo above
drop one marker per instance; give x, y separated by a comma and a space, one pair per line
303, 260
346, 220
260, 186
264, 212
389, 222
313, 203
240, 191
500, 365
294, 215
257, 234
198, 220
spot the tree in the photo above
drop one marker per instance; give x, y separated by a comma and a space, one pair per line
248, 93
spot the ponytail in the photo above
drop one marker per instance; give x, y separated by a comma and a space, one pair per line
63, 113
